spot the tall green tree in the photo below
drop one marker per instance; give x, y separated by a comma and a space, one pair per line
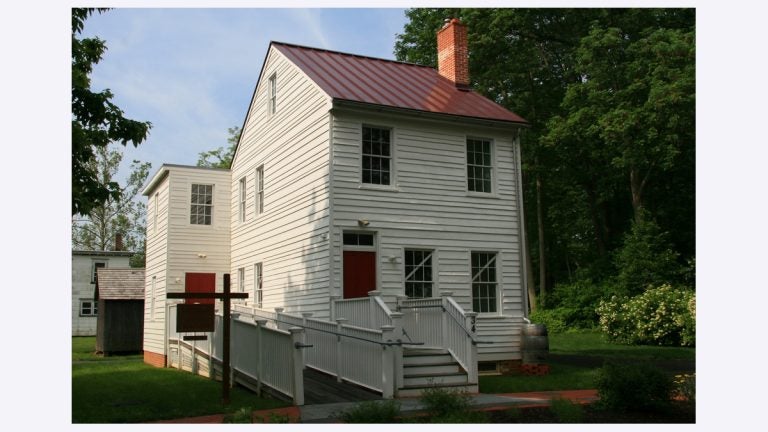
222, 156
96, 121
122, 215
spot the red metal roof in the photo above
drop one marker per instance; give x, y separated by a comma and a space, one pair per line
390, 83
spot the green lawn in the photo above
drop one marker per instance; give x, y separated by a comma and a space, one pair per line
122, 389
594, 343
570, 377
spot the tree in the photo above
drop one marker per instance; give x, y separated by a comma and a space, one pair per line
222, 157
122, 215
96, 122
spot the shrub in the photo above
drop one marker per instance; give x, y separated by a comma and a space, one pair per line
685, 387
243, 415
566, 411
646, 258
372, 412
447, 406
635, 387
659, 316
554, 319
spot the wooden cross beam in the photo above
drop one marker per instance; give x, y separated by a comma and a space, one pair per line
226, 297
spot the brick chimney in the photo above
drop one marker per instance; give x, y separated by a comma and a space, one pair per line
453, 54
118, 242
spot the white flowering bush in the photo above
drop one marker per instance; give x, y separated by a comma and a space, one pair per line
660, 316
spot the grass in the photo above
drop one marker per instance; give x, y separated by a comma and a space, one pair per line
123, 389
560, 377
570, 377
594, 343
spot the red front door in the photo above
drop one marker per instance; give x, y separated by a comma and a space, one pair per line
359, 273
200, 282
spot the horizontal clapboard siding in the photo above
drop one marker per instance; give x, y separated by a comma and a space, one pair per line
290, 237
428, 207
156, 266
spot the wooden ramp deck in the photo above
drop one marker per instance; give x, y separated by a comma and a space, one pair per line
320, 388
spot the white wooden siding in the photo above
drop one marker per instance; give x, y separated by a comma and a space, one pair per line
429, 208
174, 249
83, 289
290, 237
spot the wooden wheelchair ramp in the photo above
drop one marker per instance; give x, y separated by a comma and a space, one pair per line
320, 388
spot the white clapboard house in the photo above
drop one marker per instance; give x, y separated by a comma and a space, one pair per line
372, 206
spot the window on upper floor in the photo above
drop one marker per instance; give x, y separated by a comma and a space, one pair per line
242, 194
479, 165
272, 103
484, 296
88, 308
96, 265
154, 212
258, 286
418, 273
259, 185
241, 279
376, 156
201, 211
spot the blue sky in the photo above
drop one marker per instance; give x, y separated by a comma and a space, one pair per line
192, 71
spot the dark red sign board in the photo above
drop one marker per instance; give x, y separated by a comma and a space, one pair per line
192, 318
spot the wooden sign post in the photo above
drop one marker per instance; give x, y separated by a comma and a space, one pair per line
226, 297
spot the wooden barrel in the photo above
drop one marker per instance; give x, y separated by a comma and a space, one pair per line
534, 343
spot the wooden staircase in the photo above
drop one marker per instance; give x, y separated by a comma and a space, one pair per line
432, 368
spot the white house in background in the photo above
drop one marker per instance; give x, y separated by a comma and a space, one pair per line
84, 305
352, 174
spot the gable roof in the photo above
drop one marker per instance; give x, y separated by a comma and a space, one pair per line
368, 80
120, 284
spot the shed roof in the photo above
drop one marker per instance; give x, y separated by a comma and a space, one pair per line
388, 83
120, 283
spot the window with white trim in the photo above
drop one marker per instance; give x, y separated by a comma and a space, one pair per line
418, 273
479, 165
97, 265
484, 298
154, 216
201, 210
242, 194
376, 156
88, 308
258, 286
152, 299
241, 279
357, 239
272, 104
259, 185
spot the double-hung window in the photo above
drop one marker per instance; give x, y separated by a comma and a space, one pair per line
201, 210
259, 185
258, 293
479, 165
418, 273
376, 156
242, 193
88, 308
484, 297
272, 104
241, 279
96, 266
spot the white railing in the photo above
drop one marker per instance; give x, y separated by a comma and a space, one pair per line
442, 323
368, 312
355, 354
269, 356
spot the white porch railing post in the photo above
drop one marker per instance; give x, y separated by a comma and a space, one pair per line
260, 323
304, 316
397, 324
387, 363
339, 348
399, 299
334, 298
472, 347
444, 315
278, 324
372, 308
297, 366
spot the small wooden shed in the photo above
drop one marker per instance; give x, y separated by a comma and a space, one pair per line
120, 295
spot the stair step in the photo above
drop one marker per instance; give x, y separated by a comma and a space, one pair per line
426, 359
431, 368
430, 380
